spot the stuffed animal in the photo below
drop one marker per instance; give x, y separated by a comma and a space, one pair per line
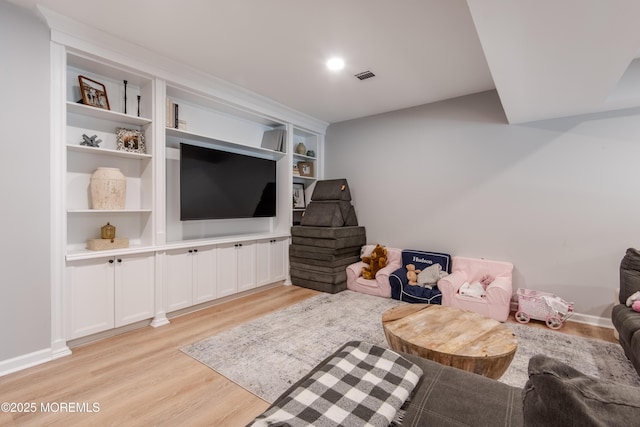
636, 306
633, 298
376, 261
412, 274
486, 280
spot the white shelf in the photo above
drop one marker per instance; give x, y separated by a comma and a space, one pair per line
311, 178
100, 113
77, 255
107, 151
302, 156
109, 211
191, 136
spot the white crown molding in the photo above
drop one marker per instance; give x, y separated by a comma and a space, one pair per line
81, 37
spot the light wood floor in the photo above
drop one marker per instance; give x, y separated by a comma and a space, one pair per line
142, 378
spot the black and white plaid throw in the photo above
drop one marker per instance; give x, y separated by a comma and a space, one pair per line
362, 385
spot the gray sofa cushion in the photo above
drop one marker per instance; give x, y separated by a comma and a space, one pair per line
327, 232
629, 274
319, 276
626, 321
558, 395
345, 242
323, 254
329, 214
315, 263
319, 286
331, 189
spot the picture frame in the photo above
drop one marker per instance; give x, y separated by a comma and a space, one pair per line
130, 140
298, 196
305, 168
93, 93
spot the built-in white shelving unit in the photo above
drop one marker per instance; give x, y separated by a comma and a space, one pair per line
169, 264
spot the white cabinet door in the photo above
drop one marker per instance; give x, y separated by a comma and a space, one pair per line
227, 269
263, 262
271, 261
278, 259
90, 297
246, 265
134, 288
204, 274
178, 280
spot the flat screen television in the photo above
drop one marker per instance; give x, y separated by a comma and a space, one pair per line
216, 184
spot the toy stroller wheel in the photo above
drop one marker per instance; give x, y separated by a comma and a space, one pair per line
553, 322
522, 317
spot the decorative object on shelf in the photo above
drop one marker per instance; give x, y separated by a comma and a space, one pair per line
130, 140
296, 171
108, 232
138, 105
298, 196
90, 141
305, 168
311, 153
108, 189
125, 96
274, 139
93, 93
301, 148
172, 110
104, 244
182, 124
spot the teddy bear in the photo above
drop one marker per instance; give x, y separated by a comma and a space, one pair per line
376, 261
412, 274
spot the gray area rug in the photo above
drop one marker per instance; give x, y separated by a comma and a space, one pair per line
267, 355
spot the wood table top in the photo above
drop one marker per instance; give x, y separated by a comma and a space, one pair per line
449, 330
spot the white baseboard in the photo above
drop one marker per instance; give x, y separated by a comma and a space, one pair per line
25, 361
591, 320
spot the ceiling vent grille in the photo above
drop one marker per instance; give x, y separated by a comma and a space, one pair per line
365, 75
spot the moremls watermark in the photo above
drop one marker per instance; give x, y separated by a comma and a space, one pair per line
50, 407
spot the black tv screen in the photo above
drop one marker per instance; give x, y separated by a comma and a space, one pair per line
217, 184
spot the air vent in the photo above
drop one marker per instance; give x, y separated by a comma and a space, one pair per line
365, 75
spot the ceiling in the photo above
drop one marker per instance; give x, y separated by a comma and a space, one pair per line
546, 58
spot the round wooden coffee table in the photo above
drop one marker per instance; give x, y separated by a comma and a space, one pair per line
452, 337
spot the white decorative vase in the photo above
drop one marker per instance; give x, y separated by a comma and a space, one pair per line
108, 189
301, 148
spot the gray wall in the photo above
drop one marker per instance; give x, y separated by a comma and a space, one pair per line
559, 198
25, 301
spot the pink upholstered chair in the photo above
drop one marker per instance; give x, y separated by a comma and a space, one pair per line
496, 302
380, 286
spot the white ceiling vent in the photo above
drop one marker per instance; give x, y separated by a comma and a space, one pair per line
365, 75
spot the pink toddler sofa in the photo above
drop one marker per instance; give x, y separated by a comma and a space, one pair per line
496, 302
380, 286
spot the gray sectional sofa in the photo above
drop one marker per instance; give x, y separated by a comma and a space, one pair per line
555, 395
625, 320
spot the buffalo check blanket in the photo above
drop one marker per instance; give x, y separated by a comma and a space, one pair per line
360, 385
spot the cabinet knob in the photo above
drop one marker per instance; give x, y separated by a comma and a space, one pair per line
190, 251
119, 260
110, 261
195, 250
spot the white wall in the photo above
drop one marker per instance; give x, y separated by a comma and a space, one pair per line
558, 198
25, 301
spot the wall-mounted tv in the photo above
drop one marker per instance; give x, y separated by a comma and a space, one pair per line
216, 184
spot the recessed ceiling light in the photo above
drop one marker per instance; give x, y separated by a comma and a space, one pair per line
335, 64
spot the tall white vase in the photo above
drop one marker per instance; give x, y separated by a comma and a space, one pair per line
108, 189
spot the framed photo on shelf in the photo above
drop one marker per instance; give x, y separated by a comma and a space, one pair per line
305, 168
298, 196
93, 93
130, 140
